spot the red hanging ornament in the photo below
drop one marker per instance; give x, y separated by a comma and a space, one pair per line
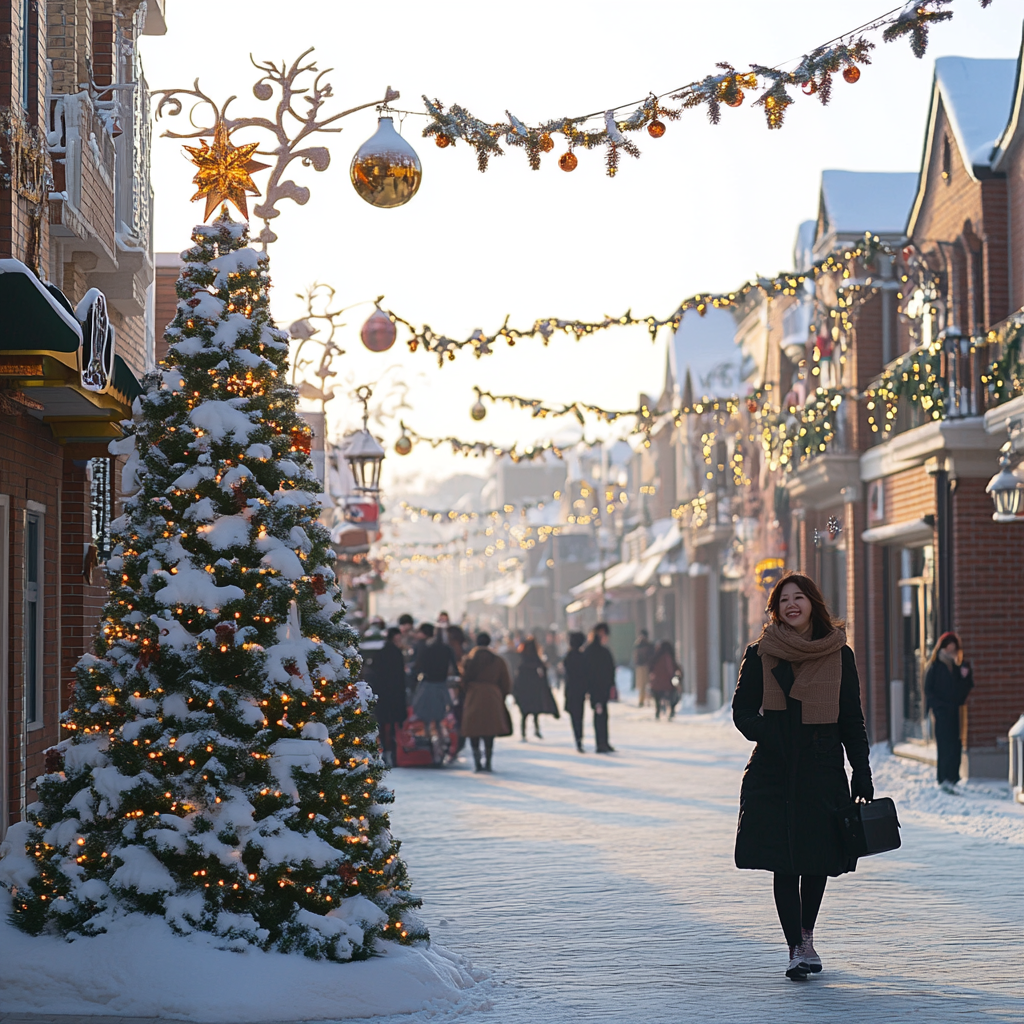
319, 584
379, 331
656, 129
568, 161
348, 874
441, 141
735, 100
851, 74
810, 87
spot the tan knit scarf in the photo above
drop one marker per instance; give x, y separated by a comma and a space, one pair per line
817, 670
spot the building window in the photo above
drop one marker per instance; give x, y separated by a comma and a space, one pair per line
33, 618
26, 54
947, 159
101, 494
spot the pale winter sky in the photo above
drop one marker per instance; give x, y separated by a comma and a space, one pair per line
704, 208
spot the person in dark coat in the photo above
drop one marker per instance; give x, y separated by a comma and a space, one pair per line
532, 690
432, 700
798, 698
487, 683
600, 683
663, 670
947, 682
574, 666
386, 677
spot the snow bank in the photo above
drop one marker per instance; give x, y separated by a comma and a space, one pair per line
139, 969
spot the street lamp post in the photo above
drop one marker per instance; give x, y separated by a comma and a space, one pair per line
364, 453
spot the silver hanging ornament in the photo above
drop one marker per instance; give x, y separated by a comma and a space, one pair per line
386, 171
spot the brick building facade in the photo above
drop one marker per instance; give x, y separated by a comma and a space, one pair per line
75, 273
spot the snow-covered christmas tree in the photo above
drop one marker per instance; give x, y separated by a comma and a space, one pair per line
221, 766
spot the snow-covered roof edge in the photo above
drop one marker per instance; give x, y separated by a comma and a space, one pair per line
954, 107
1016, 112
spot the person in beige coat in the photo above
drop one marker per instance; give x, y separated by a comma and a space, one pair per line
486, 680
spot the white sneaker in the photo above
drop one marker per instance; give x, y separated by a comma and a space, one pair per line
807, 951
798, 967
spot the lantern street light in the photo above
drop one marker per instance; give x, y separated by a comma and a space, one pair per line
363, 452
1007, 490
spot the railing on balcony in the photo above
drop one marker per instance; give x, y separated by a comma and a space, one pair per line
952, 378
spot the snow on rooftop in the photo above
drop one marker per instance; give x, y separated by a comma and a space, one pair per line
706, 346
977, 96
875, 201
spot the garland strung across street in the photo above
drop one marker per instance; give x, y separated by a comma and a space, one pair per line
813, 75
478, 449
786, 283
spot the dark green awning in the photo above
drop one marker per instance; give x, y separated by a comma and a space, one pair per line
30, 317
125, 381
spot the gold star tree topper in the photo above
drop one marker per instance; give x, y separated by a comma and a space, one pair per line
224, 171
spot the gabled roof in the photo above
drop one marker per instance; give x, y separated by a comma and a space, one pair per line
976, 95
857, 201
705, 346
1016, 122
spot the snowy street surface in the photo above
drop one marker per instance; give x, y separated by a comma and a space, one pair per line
587, 888
597, 888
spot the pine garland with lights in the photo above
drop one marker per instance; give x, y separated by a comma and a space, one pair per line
812, 75
222, 768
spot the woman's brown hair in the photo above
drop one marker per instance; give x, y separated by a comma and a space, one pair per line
822, 622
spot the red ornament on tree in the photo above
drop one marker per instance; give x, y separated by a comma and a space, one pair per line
751, 405
225, 633
656, 129
378, 333
348, 874
568, 161
150, 653
851, 74
319, 584
302, 439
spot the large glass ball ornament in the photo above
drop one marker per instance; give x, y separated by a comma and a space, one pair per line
851, 74
403, 445
378, 333
386, 171
478, 411
568, 161
656, 129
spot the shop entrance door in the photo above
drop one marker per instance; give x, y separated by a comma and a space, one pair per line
917, 619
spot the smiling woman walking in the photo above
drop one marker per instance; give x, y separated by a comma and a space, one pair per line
798, 697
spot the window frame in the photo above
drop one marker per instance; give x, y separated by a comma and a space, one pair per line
34, 593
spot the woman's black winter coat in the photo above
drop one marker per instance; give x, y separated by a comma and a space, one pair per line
945, 689
795, 780
386, 677
576, 681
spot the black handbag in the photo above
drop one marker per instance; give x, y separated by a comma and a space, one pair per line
870, 827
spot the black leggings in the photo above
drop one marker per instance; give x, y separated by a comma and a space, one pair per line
474, 742
797, 900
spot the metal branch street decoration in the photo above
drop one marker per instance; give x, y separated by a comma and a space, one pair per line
290, 128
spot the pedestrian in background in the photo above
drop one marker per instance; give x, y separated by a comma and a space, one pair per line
798, 698
600, 683
947, 682
664, 668
387, 680
643, 655
484, 714
431, 702
574, 666
532, 691
551, 656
